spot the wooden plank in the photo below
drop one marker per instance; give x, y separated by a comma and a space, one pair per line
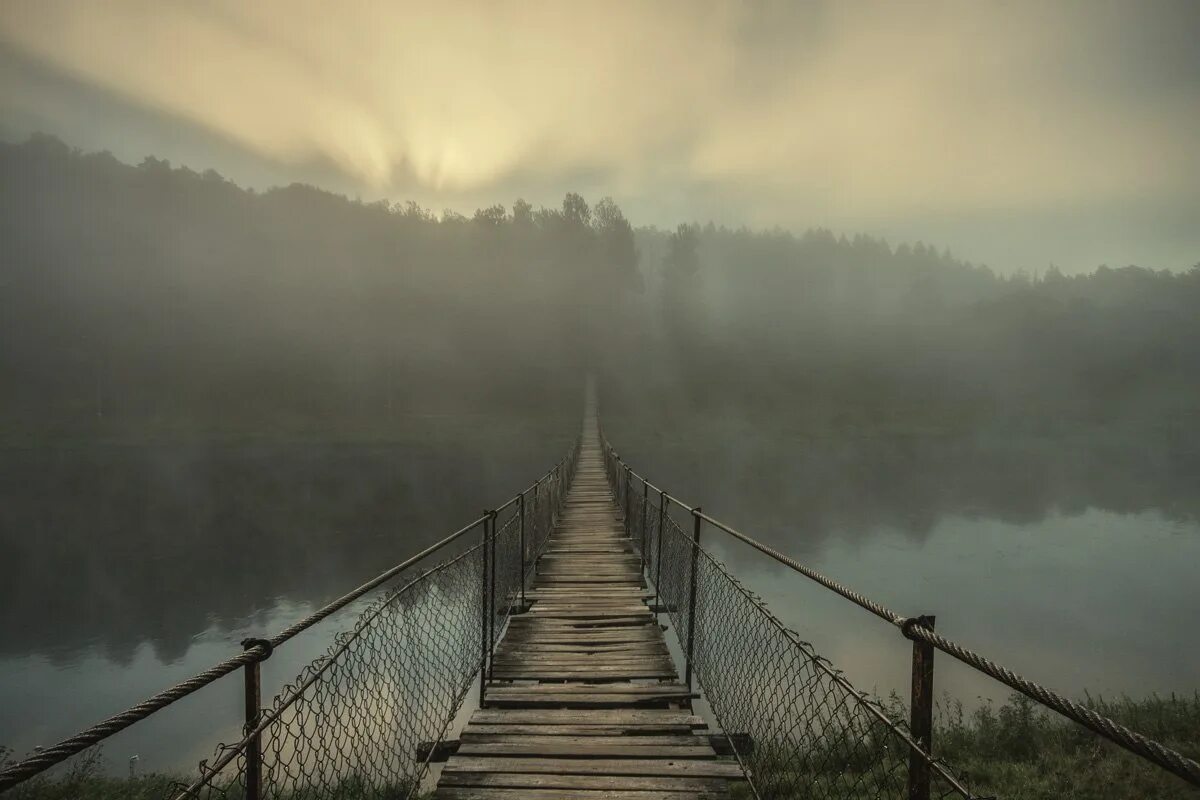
650, 767
607, 717
573, 730
472, 793
538, 747
596, 782
596, 699
581, 687
584, 700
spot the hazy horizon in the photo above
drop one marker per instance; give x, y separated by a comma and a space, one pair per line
909, 293
655, 226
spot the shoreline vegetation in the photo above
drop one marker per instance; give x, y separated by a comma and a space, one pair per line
185, 306
1019, 751
1014, 750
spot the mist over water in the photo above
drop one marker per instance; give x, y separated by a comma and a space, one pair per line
1067, 560
225, 407
168, 555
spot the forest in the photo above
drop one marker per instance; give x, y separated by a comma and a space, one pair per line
158, 302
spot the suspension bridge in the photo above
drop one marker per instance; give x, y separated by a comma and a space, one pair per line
550, 613
580, 696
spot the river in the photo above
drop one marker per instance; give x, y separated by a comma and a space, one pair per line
129, 568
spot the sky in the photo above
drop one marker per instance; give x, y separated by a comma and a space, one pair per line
1018, 134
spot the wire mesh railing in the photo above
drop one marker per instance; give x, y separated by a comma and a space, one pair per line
793, 720
796, 725
363, 719
351, 724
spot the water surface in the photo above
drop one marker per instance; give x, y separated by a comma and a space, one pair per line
130, 568
1071, 560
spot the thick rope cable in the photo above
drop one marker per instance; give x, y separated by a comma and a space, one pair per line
46, 758
1134, 742
1155, 752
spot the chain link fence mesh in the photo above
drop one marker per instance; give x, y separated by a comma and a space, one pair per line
797, 726
352, 723
361, 721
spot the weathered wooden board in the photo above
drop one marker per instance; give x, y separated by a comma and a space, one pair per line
593, 782
584, 699
649, 767
477, 793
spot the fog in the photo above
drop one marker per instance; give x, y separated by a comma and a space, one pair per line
909, 292
1020, 133
154, 300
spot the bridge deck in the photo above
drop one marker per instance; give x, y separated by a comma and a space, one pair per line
584, 700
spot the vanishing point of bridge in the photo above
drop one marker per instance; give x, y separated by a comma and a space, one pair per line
582, 699
551, 610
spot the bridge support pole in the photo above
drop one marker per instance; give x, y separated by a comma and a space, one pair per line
537, 518
521, 503
921, 714
252, 675
625, 502
483, 617
662, 519
645, 500
491, 528
691, 637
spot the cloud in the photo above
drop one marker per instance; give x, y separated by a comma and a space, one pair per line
868, 110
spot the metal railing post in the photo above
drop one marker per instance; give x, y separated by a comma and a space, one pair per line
691, 637
559, 491
645, 498
625, 501
662, 521
252, 675
483, 618
521, 503
537, 518
921, 714
491, 527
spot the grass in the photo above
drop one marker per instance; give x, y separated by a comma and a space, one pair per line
1014, 750
85, 778
1019, 751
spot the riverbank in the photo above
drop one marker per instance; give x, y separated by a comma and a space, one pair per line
1013, 750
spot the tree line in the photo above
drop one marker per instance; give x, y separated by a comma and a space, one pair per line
154, 296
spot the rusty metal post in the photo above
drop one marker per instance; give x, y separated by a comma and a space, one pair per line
483, 618
491, 527
921, 713
691, 637
662, 521
642, 549
537, 517
253, 710
625, 500
557, 496
521, 503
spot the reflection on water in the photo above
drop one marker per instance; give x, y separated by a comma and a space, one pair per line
1072, 562
129, 568
1098, 601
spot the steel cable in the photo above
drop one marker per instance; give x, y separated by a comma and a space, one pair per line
1155, 752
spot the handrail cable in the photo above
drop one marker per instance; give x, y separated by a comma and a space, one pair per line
48, 757
232, 751
1170, 760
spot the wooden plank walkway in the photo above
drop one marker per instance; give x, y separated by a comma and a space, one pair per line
584, 700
